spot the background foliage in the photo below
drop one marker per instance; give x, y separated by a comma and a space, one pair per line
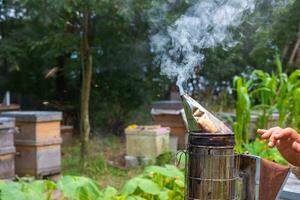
39, 54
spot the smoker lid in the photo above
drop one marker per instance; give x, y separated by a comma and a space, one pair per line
33, 116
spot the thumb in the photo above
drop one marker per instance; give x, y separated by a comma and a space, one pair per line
296, 146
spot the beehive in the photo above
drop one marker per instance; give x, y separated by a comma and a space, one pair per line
36, 126
147, 141
38, 142
7, 149
170, 114
66, 133
38, 159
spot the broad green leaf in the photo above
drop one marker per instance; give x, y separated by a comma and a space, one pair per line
21, 191
109, 193
180, 183
163, 195
73, 186
168, 171
148, 186
130, 186
134, 197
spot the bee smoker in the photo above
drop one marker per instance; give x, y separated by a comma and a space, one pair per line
215, 172
212, 167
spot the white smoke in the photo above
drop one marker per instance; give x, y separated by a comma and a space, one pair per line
204, 25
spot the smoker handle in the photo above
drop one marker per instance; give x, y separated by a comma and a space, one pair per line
181, 152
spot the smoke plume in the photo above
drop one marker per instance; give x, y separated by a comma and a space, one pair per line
179, 48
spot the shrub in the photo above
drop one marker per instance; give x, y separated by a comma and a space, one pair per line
155, 183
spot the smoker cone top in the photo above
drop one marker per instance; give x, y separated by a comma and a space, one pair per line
200, 120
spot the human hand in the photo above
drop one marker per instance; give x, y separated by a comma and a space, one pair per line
286, 140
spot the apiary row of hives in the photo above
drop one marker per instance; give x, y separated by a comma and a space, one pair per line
30, 144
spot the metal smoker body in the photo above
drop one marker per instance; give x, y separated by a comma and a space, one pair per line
212, 167
215, 172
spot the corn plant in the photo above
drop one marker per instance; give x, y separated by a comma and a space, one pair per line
243, 105
262, 91
294, 100
269, 93
266, 93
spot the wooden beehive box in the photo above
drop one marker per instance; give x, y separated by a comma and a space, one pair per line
7, 162
7, 149
36, 125
38, 143
38, 159
66, 133
147, 141
170, 114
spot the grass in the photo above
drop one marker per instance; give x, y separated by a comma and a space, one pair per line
106, 162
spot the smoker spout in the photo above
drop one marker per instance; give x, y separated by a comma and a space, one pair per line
199, 119
188, 108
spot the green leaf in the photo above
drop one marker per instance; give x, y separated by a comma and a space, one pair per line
109, 193
168, 171
135, 198
180, 183
74, 187
278, 64
148, 186
22, 191
163, 195
130, 186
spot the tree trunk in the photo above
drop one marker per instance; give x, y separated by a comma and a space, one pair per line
86, 61
296, 48
61, 84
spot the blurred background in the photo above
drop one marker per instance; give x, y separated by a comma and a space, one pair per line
246, 71
40, 50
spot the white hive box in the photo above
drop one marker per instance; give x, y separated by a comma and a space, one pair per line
147, 141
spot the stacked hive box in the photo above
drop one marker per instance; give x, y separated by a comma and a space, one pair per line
146, 142
7, 149
170, 114
38, 144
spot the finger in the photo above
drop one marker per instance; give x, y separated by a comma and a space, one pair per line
261, 131
272, 139
266, 135
286, 134
269, 132
296, 147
